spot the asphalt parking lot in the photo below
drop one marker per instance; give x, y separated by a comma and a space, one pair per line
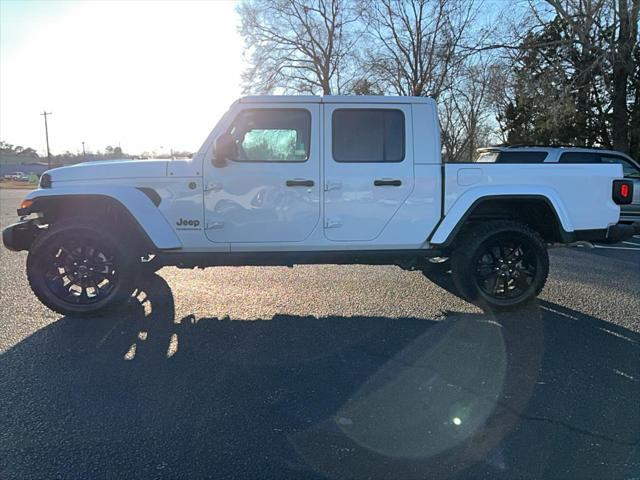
325, 372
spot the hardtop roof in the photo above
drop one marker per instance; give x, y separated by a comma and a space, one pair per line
334, 99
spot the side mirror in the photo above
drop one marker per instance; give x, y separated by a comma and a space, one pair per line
225, 149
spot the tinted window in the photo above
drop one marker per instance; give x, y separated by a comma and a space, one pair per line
629, 169
272, 135
521, 157
368, 135
580, 157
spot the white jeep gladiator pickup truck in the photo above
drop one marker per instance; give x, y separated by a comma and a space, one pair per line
285, 180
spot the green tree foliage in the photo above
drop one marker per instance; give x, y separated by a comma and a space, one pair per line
576, 79
7, 148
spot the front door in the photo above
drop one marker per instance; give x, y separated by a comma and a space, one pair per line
270, 190
368, 168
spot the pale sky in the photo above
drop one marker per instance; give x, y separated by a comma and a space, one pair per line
145, 75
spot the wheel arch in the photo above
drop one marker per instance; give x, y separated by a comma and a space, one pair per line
541, 212
129, 209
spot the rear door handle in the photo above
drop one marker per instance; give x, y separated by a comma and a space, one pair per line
299, 183
386, 181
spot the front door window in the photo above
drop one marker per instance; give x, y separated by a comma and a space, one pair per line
266, 135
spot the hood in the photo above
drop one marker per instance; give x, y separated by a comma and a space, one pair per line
110, 169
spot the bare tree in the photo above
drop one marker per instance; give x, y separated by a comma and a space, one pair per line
416, 43
578, 74
465, 112
301, 46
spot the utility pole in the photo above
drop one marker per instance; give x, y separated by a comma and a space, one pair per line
46, 132
84, 155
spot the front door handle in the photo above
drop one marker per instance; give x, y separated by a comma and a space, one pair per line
387, 181
299, 183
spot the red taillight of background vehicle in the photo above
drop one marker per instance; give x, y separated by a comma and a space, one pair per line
622, 191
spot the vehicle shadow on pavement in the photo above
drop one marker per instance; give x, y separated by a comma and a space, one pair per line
543, 393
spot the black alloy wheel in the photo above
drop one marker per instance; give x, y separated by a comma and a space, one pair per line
505, 267
500, 264
81, 269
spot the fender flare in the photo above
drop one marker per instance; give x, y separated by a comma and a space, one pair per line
143, 211
454, 219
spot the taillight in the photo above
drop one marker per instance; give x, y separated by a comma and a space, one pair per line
622, 192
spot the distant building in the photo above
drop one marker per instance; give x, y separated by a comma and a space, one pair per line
27, 163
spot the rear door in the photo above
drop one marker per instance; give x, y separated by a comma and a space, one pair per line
368, 167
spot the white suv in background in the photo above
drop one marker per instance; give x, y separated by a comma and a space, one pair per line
573, 155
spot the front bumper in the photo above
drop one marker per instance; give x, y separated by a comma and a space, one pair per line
19, 236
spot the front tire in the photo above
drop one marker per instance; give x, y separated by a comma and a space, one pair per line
500, 265
81, 269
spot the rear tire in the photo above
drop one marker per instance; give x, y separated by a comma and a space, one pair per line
500, 265
81, 269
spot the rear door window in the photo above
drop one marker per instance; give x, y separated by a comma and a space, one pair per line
368, 135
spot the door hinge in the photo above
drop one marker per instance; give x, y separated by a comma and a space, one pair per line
332, 186
332, 223
213, 187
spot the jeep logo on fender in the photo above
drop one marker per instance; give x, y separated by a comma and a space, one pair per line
187, 224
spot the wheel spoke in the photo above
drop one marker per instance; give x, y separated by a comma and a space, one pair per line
68, 255
102, 264
484, 271
496, 283
528, 270
514, 254
57, 276
521, 282
95, 287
